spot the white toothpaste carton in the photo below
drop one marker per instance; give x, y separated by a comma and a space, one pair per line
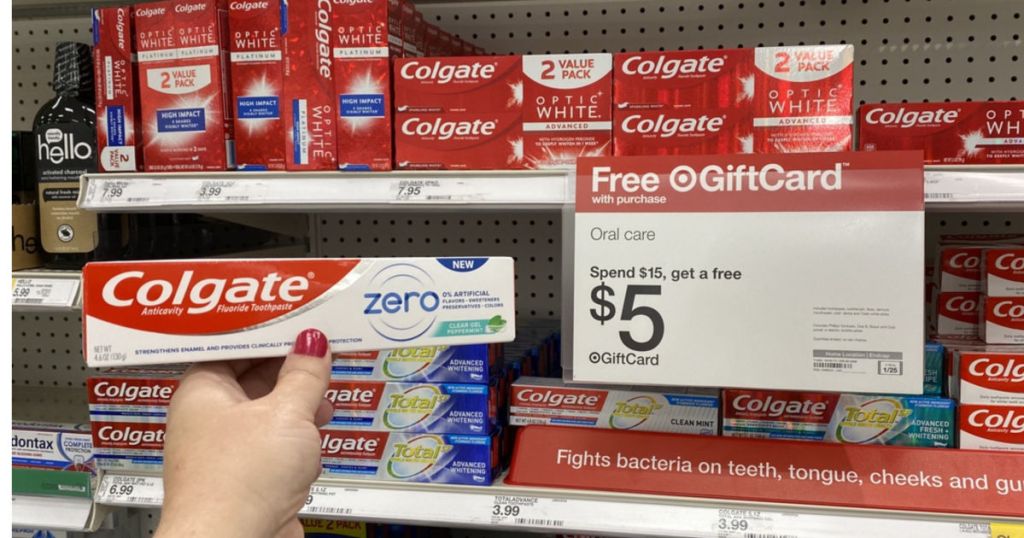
159, 312
992, 377
1002, 320
51, 445
541, 400
992, 427
1003, 272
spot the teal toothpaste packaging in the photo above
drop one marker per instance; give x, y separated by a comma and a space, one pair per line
934, 362
445, 408
476, 363
840, 418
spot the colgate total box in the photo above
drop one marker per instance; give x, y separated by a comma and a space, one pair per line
803, 99
362, 81
539, 400
960, 268
684, 102
567, 108
129, 446
992, 427
257, 81
185, 89
979, 132
992, 377
839, 418
118, 140
429, 364
958, 314
404, 457
1002, 320
1004, 272
159, 312
310, 116
466, 409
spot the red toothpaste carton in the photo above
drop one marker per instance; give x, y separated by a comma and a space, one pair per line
992, 427
684, 102
1003, 320
977, 132
431, 40
1004, 272
408, 15
395, 45
458, 141
185, 89
803, 99
118, 142
567, 108
257, 71
444, 44
309, 97
960, 268
463, 84
958, 313
362, 81
992, 377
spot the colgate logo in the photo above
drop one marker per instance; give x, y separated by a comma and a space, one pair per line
127, 393
205, 294
1008, 309
549, 398
446, 130
119, 25
1009, 420
911, 118
248, 6
775, 407
333, 444
351, 3
964, 305
130, 436
189, 8
666, 68
1010, 262
444, 73
342, 397
666, 127
1011, 370
150, 12
323, 37
965, 260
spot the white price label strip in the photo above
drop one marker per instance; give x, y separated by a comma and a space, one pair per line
123, 490
973, 186
48, 292
397, 505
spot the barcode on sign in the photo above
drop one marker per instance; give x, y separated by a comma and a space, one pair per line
328, 510
138, 199
767, 535
539, 522
28, 300
839, 365
939, 196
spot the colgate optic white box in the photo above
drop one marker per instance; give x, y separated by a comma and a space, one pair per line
118, 142
1002, 320
992, 377
159, 312
567, 108
541, 400
185, 89
960, 268
310, 113
803, 99
958, 314
1004, 272
257, 80
992, 427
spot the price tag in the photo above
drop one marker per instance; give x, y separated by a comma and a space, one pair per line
680, 263
419, 190
123, 490
526, 511
1007, 530
116, 190
221, 191
325, 501
972, 186
48, 292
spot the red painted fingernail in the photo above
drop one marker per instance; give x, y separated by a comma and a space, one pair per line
311, 342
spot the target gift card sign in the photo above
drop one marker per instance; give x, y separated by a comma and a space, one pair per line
798, 271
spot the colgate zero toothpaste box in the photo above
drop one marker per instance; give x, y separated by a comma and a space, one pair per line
257, 80
803, 99
309, 96
159, 312
118, 140
992, 377
185, 89
539, 400
958, 314
430, 364
466, 409
1002, 320
839, 418
362, 81
684, 102
1004, 272
960, 268
978, 132
992, 427
52, 446
567, 108
410, 457
129, 446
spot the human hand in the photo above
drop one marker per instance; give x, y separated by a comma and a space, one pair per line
242, 446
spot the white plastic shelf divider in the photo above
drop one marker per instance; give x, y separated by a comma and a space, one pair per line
61, 513
311, 191
539, 509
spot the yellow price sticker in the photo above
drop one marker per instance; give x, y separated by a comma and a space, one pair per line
1007, 530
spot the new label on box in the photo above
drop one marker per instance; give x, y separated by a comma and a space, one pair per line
666, 307
161, 312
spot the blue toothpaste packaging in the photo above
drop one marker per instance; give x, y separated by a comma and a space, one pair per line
441, 408
428, 364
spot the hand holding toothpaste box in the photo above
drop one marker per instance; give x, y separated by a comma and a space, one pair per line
161, 312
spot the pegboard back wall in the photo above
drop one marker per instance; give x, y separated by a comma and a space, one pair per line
33, 41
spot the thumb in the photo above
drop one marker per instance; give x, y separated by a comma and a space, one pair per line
305, 374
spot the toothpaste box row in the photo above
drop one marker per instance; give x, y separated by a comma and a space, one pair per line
476, 363
160, 312
997, 271
52, 446
969, 315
